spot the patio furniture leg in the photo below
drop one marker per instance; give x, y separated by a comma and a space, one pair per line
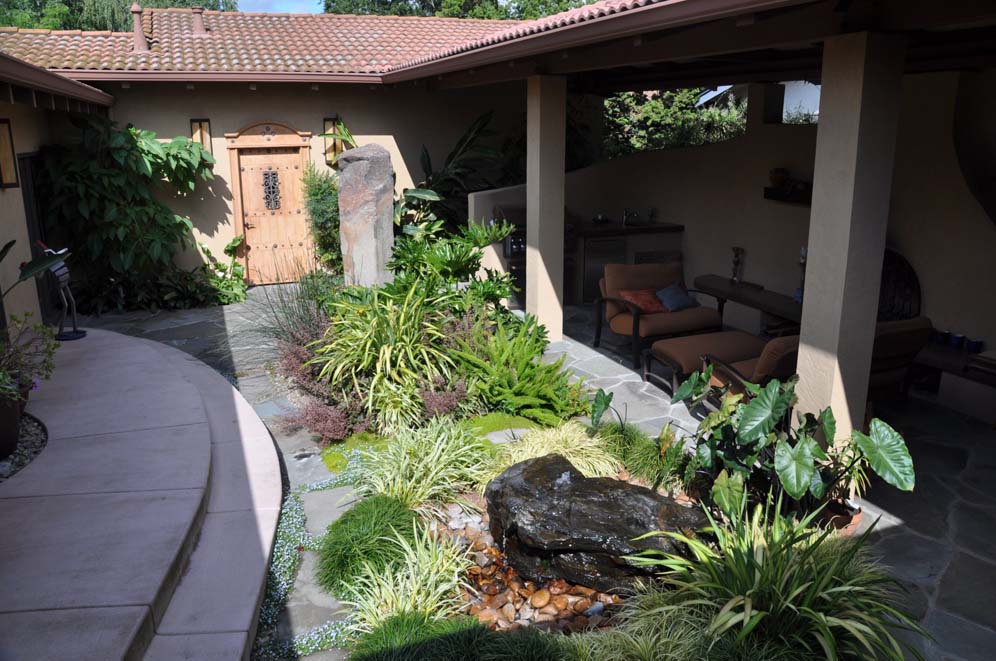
599, 313
637, 343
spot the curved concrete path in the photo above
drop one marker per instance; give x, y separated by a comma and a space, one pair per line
144, 528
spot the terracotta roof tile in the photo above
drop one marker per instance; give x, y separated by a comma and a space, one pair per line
251, 42
511, 32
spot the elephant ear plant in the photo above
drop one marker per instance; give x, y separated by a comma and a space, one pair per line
754, 443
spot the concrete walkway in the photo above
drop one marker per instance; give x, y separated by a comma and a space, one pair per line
145, 526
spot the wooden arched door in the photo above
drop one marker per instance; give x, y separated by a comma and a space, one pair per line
268, 161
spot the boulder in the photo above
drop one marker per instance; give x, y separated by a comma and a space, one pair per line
366, 214
553, 522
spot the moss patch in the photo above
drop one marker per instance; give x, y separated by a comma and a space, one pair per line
334, 456
492, 422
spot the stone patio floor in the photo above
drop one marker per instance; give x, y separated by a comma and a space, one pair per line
940, 540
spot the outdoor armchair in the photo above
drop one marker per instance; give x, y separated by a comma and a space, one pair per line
626, 318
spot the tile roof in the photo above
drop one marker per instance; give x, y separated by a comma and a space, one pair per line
510, 32
251, 43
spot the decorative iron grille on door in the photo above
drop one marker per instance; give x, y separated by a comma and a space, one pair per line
271, 189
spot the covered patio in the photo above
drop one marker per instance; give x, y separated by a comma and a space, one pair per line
862, 55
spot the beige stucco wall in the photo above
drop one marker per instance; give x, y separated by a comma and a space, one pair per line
401, 119
935, 222
715, 191
30, 128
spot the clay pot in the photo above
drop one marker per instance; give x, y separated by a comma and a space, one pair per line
843, 515
10, 426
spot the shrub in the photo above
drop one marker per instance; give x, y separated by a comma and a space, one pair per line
382, 346
100, 195
362, 535
443, 399
505, 372
660, 461
228, 279
569, 440
414, 636
296, 313
329, 422
425, 578
427, 466
648, 630
755, 442
321, 200
405, 636
775, 584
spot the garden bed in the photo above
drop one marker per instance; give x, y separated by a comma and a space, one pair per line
31, 441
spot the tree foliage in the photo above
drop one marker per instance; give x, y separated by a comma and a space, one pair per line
641, 121
89, 14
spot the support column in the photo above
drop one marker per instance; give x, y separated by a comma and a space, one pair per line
855, 147
546, 134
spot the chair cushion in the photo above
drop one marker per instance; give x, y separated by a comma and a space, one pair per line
777, 361
645, 299
668, 323
675, 298
729, 346
638, 276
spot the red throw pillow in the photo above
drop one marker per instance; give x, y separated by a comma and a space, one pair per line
645, 299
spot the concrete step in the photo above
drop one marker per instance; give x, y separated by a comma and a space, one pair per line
217, 601
108, 514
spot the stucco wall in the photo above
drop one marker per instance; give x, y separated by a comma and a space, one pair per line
401, 119
716, 192
30, 130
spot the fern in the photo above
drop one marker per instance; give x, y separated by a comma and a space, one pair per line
505, 372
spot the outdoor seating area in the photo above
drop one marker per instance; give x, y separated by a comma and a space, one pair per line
644, 330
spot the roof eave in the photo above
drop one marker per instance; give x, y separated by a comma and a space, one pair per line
650, 18
218, 76
18, 72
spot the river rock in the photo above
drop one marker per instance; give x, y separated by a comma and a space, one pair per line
556, 523
366, 214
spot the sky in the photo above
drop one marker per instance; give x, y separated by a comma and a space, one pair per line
282, 6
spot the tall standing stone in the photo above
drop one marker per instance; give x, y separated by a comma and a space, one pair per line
366, 214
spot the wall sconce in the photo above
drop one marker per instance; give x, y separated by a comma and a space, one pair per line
333, 146
200, 131
8, 158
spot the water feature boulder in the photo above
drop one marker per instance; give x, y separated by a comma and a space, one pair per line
553, 522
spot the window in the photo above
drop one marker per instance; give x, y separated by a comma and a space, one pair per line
200, 131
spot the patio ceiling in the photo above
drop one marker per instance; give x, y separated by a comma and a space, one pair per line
770, 44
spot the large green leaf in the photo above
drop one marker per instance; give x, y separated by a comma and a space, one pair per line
762, 413
6, 248
887, 454
727, 492
603, 400
795, 467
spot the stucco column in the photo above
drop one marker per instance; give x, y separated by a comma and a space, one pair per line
546, 134
855, 147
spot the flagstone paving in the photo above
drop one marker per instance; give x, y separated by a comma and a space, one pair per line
940, 541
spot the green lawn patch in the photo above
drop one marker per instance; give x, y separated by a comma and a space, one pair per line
363, 535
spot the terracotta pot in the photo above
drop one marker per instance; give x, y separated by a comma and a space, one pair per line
10, 426
843, 515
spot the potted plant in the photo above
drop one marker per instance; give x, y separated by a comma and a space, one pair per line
753, 444
10, 413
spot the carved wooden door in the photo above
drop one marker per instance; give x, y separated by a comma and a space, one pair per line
277, 238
